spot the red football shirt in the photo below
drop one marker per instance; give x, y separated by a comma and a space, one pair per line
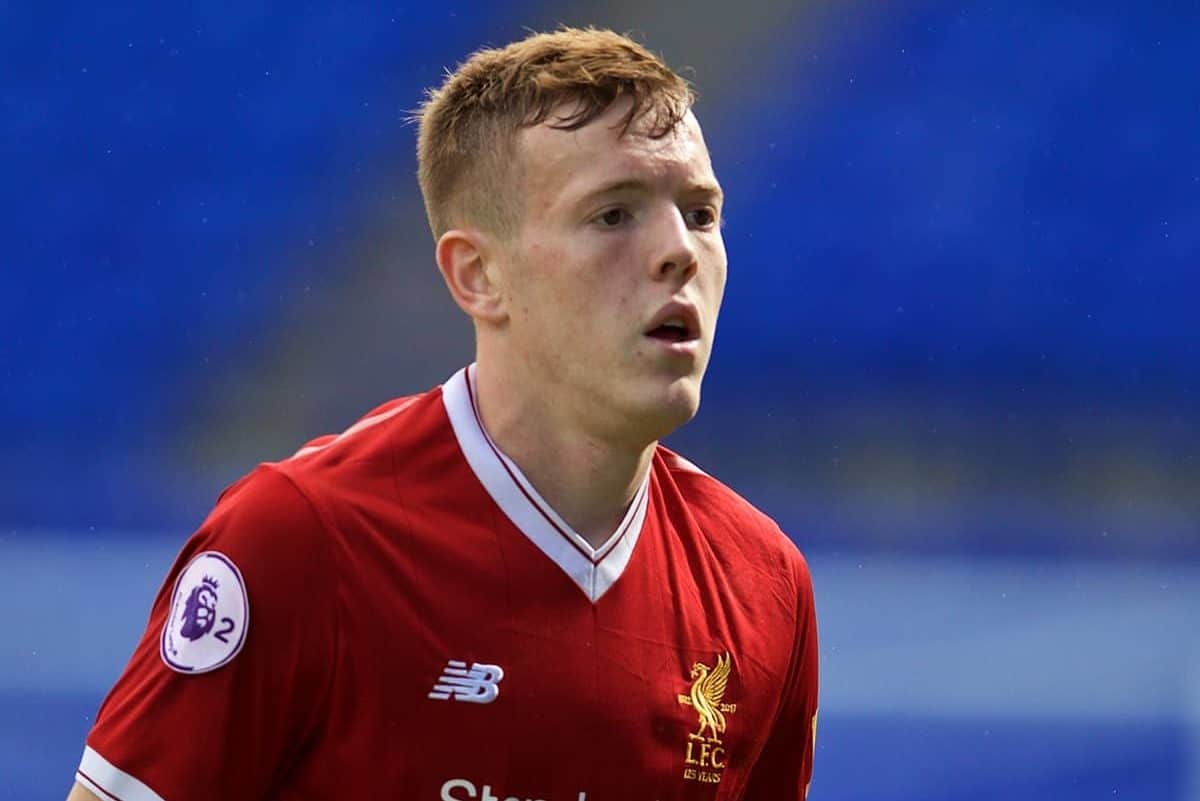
396, 613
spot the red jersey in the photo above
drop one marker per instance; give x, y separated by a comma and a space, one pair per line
395, 613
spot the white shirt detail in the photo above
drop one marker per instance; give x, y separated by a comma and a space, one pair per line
594, 570
478, 684
108, 782
679, 463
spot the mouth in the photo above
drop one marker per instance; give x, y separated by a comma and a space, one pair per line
670, 332
675, 323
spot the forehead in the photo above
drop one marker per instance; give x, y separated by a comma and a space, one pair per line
560, 165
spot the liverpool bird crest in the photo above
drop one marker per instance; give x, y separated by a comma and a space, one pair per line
705, 754
708, 688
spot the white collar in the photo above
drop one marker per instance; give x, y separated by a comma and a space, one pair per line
595, 570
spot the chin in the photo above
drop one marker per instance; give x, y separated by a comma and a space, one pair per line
673, 406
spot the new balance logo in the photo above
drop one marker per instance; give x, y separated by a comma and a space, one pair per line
478, 684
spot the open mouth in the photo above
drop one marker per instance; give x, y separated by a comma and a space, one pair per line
676, 323
671, 331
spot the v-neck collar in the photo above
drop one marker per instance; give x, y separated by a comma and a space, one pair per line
594, 570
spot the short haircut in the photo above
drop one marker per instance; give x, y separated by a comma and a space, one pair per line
466, 144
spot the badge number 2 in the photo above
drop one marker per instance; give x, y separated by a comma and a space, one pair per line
222, 634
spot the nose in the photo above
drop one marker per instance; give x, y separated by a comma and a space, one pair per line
675, 254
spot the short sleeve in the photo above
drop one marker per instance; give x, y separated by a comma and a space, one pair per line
231, 678
784, 767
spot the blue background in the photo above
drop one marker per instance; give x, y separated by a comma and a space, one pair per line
958, 358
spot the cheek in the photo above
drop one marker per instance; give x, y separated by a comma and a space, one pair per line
579, 291
545, 295
579, 282
721, 266
720, 283
529, 281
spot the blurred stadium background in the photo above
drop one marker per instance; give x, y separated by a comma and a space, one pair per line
958, 359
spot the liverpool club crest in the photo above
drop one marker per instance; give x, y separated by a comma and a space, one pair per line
704, 755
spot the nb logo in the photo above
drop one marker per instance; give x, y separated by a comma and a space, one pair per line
478, 684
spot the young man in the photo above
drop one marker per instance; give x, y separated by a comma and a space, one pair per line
503, 588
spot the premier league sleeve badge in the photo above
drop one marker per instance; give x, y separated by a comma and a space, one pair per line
209, 615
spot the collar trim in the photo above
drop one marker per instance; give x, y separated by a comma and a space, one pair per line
594, 570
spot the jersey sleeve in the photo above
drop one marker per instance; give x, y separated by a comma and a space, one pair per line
228, 683
784, 767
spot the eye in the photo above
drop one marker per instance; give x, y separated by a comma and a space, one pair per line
612, 218
703, 217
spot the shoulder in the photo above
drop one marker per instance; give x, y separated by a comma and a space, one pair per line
297, 505
265, 526
742, 535
264, 505
261, 554
392, 444
404, 421
717, 505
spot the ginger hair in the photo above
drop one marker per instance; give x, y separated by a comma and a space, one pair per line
467, 160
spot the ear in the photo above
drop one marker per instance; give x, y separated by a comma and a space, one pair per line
466, 258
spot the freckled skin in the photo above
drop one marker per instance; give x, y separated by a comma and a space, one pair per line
585, 274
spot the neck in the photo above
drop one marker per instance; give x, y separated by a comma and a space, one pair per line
590, 480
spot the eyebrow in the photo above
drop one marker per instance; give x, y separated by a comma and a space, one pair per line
708, 188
